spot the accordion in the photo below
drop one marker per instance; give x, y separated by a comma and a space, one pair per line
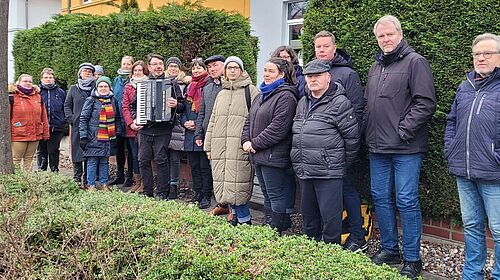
152, 96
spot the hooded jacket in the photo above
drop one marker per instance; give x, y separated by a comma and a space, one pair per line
231, 168
53, 97
342, 72
28, 116
269, 126
325, 135
89, 125
472, 135
400, 100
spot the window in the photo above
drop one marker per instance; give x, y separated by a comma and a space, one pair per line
294, 23
87, 1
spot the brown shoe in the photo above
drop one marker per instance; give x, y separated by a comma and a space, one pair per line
105, 188
137, 187
219, 210
91, 188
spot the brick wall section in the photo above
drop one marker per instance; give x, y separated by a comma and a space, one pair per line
445, 230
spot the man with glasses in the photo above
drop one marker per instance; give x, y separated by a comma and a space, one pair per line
472, 149
154, 137
400, 101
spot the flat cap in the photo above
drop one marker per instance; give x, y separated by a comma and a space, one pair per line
214, 58
316, 66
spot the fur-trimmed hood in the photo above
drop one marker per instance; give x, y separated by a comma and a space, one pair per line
13, 88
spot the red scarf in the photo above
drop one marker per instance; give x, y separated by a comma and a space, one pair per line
194, 91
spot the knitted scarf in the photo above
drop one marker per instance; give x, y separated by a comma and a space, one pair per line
194, 91
106, 131
267, 89
24, 90
133, 80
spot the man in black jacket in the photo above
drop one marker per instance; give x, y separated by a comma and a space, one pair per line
325, 141
400, 100
154, 137
341, 71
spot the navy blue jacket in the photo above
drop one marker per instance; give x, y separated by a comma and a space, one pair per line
89, 126
53, 97
301, 80
472, 138
189, 136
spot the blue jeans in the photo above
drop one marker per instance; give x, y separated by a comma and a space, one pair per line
134, 149
275, 184
242, 212
352, 204
402, 171
94, 163
478, 200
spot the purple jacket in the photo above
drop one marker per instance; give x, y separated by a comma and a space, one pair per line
472, 136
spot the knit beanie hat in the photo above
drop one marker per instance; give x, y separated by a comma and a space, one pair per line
104, 79
99, 69
85, 65
174, 60
234, 59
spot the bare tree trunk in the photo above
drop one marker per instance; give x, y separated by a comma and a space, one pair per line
6, 164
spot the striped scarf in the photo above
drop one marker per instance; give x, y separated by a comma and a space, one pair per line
106, 130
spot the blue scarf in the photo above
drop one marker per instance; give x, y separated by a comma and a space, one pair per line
265, 90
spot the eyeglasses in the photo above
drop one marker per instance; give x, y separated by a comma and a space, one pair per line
486, 55
233, 68
157, 64
285, 57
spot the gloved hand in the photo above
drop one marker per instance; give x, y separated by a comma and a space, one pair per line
84, 142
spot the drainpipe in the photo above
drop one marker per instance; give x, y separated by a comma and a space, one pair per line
26, 13
69, 7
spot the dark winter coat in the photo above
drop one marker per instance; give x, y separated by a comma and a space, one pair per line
301, 80
89, 125
189, 115
400, 100
342, 72
269, 126
164, 128
178, 131
118, 91
472, 136
209, 93
53, 97
325, 135
72, 109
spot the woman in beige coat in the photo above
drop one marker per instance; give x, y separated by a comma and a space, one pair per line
231, 168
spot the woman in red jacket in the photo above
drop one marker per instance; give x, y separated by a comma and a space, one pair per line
28, 120
139, 73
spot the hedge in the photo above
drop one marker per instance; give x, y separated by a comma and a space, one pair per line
185, 31
442, 31
52, 230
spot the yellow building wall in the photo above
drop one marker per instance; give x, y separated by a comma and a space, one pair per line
99, 7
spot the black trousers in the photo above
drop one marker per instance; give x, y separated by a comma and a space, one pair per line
201, 173
122, 144
322, 207
48, 152
80, 172
154, 148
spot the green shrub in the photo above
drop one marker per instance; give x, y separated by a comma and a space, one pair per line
442, 31
51, 230
185, 31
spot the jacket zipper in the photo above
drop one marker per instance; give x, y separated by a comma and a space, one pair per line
467, 137
480, 105
381, 80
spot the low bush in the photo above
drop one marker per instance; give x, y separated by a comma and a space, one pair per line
51, 230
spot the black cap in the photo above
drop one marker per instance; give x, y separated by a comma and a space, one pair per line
213, 58
316, 66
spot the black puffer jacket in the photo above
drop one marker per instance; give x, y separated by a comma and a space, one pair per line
325, 135
400, 100
53, 97
89, 126
268, 126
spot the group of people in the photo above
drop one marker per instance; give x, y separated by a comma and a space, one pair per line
298, 123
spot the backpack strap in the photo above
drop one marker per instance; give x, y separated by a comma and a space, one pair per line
247, 97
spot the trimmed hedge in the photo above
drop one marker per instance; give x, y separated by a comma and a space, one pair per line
186, 31
52, 230
442, 31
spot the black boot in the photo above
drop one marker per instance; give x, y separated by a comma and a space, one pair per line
129, 181
120, 179
173, 190
278, 219
42, 163
287, 224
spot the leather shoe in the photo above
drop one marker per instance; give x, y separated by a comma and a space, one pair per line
204, 203
383, 256
219, 210
411, 269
